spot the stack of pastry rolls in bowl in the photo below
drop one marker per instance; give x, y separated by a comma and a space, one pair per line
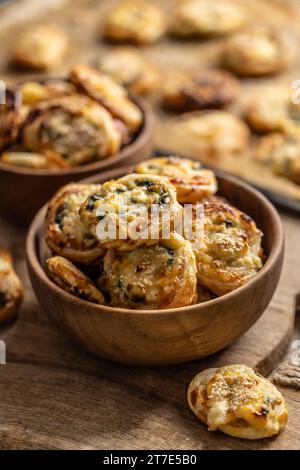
155, 299
60, 130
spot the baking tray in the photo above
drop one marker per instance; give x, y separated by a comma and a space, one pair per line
82, 20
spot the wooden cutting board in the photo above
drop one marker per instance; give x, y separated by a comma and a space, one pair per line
56, 396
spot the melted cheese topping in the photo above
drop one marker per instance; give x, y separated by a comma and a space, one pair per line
237, 401
231, 250
65, 233
136, 194
192, 183
152, 277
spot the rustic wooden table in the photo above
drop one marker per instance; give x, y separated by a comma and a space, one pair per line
56, 396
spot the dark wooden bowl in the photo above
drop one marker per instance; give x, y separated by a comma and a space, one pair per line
166, 336
23, 191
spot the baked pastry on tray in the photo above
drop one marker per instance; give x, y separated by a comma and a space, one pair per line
41, 47
256, 53
237, 401
135, 21
212, 134
271, 109
199, 89
281, 153
206, 18
131, 69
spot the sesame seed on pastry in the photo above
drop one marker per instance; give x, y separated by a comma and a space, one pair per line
237, 401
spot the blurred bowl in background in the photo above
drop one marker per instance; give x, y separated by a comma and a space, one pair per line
23, 190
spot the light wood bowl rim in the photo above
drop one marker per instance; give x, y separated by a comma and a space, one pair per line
104, 164
273, 257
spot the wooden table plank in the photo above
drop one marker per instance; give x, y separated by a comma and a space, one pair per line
57, 396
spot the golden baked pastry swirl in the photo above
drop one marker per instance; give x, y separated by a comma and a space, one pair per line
135, 21
71, 131
160, 276
192, 182
237, 401
231, 252
64, 232
126, 205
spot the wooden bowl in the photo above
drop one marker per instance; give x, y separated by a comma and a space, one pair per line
23, 191
166, 336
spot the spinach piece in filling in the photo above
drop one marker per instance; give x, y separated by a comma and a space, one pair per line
60, 215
